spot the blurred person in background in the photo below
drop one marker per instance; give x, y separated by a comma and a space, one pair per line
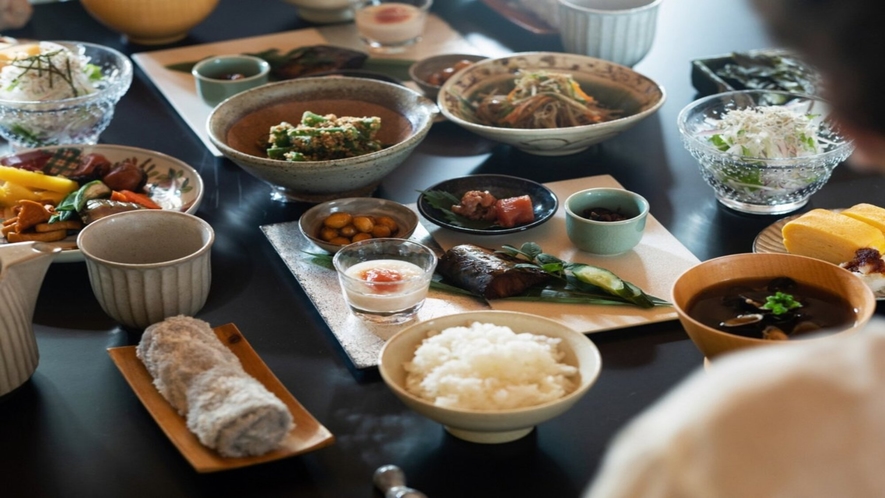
799, 422
843, 39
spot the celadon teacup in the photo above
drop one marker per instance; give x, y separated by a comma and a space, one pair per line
605, 237
223, 76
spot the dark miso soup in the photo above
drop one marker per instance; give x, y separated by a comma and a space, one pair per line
739, 307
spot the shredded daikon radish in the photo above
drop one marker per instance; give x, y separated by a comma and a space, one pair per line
772, 132
45, 71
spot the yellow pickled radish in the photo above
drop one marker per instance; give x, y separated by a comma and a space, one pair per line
37, 180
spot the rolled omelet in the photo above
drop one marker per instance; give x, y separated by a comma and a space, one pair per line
869, 214
830, 236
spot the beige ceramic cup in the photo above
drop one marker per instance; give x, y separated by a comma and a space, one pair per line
621, 31
147, 265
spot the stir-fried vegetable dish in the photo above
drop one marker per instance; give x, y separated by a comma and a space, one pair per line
320, 138
541, 99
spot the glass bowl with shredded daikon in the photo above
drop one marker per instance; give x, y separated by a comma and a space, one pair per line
62, 92
762, 151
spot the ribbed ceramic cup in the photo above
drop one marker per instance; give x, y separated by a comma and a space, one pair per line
147, 265
620, 31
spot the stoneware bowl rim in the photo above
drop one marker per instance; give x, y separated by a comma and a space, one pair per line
204, 227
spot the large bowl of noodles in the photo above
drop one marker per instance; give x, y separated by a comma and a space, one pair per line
548, 103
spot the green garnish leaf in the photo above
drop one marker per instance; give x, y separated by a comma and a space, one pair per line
780, 303
719, 142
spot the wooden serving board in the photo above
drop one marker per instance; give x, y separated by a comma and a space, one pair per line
308, 434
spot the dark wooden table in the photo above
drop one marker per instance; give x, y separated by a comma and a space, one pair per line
76, 429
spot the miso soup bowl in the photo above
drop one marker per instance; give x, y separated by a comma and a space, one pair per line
813, 272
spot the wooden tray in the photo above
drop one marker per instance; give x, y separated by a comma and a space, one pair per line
522, 18
308, 434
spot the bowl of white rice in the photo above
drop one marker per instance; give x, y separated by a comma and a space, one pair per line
489, 376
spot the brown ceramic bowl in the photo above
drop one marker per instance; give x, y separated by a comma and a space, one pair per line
804, 270
239, 127
422, 70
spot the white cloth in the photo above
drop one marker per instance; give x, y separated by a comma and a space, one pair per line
803, 421
226, 408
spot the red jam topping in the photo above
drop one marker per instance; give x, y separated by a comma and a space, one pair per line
393, 14
383, 276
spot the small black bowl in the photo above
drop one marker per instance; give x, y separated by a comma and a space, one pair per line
544, 201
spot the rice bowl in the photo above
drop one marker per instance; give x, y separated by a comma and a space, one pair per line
495, 425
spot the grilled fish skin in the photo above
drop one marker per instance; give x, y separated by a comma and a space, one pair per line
486, 273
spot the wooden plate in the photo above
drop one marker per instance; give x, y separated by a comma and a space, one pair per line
308, 434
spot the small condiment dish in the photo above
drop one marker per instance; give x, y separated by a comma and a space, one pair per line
804, 270
605, 237
223, 76
490, 426
426, 71
311, 222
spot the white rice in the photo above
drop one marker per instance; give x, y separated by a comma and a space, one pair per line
489, 367
22, 84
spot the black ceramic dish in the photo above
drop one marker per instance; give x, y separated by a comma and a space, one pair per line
544, 201
707, 74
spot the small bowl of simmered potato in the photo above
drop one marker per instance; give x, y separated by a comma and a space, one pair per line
335, 224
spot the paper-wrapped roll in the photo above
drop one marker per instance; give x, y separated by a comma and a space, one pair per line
226, 408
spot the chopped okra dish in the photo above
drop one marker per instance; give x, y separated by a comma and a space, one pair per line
320, 138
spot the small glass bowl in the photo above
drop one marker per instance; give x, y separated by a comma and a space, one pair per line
761, 185
76, 120
392, 299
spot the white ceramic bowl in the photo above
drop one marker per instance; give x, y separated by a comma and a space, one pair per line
311, 221
497, 426
240, 125
75, 120
621, 31
613, 85
149, 264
